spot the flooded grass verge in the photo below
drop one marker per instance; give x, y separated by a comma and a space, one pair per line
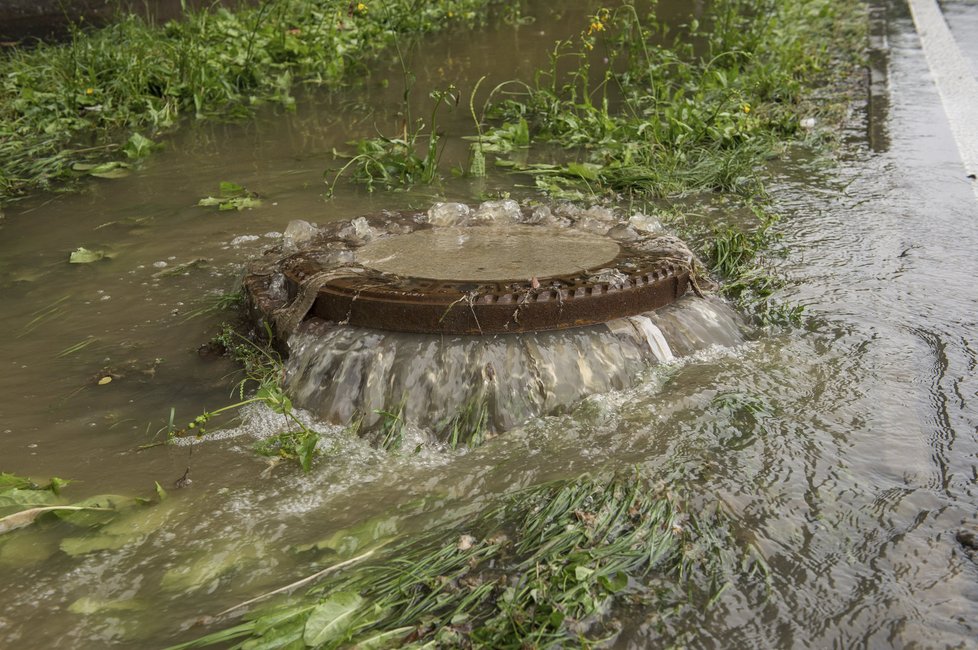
541, 569
94, 104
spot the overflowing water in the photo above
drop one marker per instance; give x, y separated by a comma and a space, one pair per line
348, 373
846, 450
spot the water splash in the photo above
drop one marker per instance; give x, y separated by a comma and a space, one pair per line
345, 373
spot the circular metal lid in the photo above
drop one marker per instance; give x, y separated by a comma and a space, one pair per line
415, 277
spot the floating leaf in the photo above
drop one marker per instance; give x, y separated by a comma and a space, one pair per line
240, 203
138, 146
96, 510
27, 517
85, 256
105, 380
587, 171
348, 541
332, 618
286, 636
113, 169
12, 481
87, 605
208, 568
231, 189
110, 170
20, 498
232, 197
27, 547
389, 639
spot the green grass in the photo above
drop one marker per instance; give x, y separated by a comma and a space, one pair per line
643, 114
106, 94
542, 569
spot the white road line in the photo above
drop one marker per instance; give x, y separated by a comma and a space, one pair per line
955, 82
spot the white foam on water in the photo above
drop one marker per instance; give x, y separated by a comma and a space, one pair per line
349, 372
655, 338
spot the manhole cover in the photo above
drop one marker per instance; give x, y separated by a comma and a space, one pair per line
510, 270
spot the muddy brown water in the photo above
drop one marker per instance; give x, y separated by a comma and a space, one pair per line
850, 474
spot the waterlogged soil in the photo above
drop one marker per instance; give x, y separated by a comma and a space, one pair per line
845, 448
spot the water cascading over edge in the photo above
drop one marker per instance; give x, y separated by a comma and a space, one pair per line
469, 321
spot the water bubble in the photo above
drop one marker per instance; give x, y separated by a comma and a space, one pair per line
503, 212
243, 239
297, 233
449, 214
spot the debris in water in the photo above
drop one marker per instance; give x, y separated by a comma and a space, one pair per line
183, 481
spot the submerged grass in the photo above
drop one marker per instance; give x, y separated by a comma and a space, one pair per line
101, 94
647, 115
542, 569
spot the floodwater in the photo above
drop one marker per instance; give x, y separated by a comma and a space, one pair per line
846, 449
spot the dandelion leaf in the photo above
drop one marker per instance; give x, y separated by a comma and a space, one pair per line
26, 548
87, 606
110, 170
83, 255
332, 618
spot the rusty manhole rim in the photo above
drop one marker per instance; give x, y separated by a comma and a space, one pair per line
635, 281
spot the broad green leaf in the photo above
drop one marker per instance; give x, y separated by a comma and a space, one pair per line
18, 499
389, 639
224, 203
332, 618
348, 541
26, 548
27, 517
287, 636
56, 484
138, 146
85, 256
281, 616
240, 203
140, 521
75, 546
96, 510
615, 582
87, 606
8, 481
229, 190
209, 567
587, 171
129, 528
110, 170
581, 573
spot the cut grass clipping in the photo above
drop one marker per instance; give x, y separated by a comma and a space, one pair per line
544, 569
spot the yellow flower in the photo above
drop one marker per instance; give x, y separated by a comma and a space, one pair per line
89, 91
361, 8
747, 108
